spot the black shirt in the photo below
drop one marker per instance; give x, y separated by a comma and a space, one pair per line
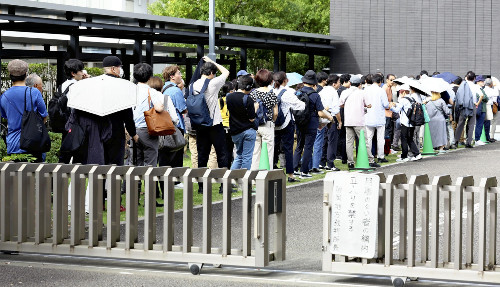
239, 115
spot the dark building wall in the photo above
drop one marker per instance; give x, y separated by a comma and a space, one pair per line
407, 36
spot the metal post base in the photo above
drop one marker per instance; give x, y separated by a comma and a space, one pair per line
398, 281
195, 268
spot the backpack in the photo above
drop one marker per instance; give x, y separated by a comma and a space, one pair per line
416, 113
197, 107
261, 114
303, 117
280, 119
58, 110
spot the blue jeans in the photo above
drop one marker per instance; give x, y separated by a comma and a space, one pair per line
318, 147
479, 125
244, 143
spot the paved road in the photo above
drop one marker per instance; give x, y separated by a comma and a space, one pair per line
302, 266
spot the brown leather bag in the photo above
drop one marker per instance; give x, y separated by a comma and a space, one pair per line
494, 108
159, 124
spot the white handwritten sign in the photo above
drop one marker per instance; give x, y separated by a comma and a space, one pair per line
354, 202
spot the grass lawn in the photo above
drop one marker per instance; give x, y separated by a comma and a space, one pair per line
198, 198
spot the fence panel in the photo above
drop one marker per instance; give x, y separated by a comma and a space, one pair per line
31, 222
437, 200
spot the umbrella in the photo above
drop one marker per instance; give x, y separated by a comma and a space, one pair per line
437, 85
402, 80
447, 76
293, 78
414, 84
418, 87
102, 95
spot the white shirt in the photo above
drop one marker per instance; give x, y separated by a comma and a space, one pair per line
330, 98
142, 106
288, 101
66, 84
377, 98
492, 94
211, 96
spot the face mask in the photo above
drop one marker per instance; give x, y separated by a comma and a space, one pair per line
121, 72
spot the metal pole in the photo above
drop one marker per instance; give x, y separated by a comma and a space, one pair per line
211, 30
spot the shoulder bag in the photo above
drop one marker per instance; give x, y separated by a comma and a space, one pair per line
75, 137
34, 135
159, 124
172, 142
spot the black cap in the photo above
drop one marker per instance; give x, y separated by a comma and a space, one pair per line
111, 61
310, 78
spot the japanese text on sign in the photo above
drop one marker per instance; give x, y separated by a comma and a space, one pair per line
354, 202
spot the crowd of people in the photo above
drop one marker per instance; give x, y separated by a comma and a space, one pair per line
305, 128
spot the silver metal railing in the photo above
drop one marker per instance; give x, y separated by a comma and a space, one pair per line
34, 214
453, 248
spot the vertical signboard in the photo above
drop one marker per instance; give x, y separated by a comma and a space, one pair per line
354, 201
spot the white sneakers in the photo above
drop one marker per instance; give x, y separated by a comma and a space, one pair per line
479, 143
418, 157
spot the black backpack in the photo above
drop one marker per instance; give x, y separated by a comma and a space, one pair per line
58, 110
303, 117
416, 113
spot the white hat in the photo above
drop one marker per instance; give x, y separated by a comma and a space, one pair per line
404, 87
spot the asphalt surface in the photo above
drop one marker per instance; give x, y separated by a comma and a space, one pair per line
302, 266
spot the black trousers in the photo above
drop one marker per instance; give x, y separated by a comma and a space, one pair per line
332, 140
284, 138
304, 148
205, 138
407, 140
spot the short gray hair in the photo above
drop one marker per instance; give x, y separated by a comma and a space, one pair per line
32, 80
488, 82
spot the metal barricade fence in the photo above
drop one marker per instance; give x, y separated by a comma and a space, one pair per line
466, 250
34, 213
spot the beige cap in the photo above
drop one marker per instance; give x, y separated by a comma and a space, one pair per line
17, 67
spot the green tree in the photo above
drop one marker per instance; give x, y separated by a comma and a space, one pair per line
295, 15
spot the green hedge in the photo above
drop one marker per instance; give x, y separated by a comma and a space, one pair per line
52, 156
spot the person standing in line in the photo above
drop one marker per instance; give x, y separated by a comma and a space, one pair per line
407, 130
482, 99
392, 134
241, 123
465, 108
321, 132
306, 135
73, 70
227, 89
34, 81
330, 101
147, 145
437, 110
13, 103
354, 104
284, 133
265, 132
172, 93
215, 134
114, 148
344, 85
492, 94
375, 119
